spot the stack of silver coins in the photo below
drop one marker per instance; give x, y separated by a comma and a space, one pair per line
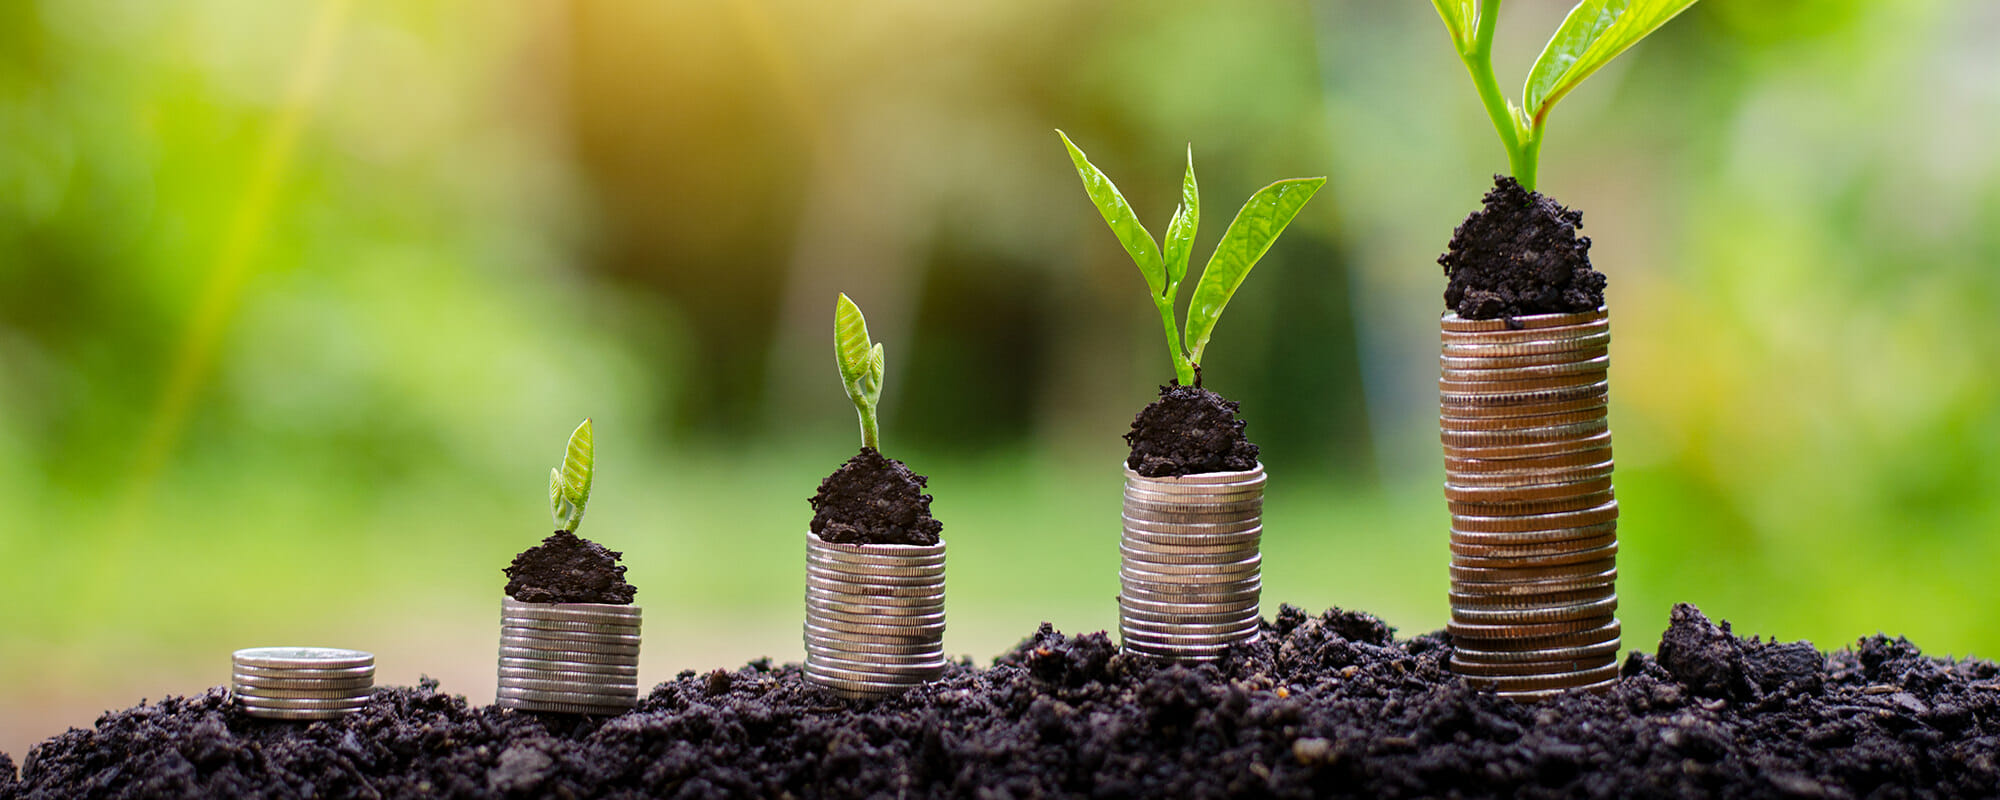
1534, 533
569, 658
874, 616
301, 683
1190, 574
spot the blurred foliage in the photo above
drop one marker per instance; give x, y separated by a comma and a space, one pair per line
292, 293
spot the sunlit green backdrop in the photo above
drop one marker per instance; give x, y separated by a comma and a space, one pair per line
299, 299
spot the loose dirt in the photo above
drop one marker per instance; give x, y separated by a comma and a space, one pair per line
874, 499
565, 568
1188, 431
1326, 706
1520, 255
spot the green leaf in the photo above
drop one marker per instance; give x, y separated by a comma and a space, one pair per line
1118, 214
1595, 32
1461, 19
861, 365
1180, 232
569, 486
1249, 236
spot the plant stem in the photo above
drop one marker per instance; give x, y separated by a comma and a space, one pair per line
1183, 370
871, 435
1521, 155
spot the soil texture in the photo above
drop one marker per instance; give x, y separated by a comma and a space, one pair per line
566, 568
1188, 431
1326, 706
874, 499
1520, 255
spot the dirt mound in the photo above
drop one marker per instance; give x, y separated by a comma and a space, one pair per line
874, 499
1188, 431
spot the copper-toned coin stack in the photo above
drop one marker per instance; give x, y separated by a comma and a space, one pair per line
1191, 575
1534, 526
874, 616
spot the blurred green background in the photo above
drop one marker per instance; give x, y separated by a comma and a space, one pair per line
299, 299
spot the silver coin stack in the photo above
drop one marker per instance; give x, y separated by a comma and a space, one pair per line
874, 616
1534, 534
569, 658
1191, 574
301, 683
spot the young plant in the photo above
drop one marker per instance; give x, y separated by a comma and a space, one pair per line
569, 484
1595, 32
1248, 237
860, 363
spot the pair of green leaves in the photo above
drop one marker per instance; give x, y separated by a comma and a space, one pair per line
1248, 237
860, 363
569, 484
1595, 32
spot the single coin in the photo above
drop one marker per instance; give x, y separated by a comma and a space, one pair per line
1527, 669
626, 669
1498, 382
1599, 402
302, 694
1603, 580
912, 621
1551, 536
1223, 572
342, 673
567, 676
817, 636
1217, 546
1529, 478
876, 663
362, 682
877, 590
1184, 644
1448, 340
1188, 581
295, 715
1148, 559
568, 697
1517, 423
574, 656
1543, 682
877, 551
1532, 616
569, 645
1604, 551
1451, 321
1230, 528
1137, 506
835, 572
1198, 479
1252, 494
1237, 606
873, 609
583, 611
1537, 696
1573, 444
1518, 495
893, 632
834, 566
1517, 362
1471, 349
1572, 460
1179, 628
565, 708
1483, 369
869, 560
1535, 522
570, 687
1247, 540
302, 657
858, 690
565, 626
1129, 612
1599, 635
1185, 486
1453, 403
1522, 436
1554, 654
905, 677
1539, 600
1578, 502
1527, 574
871, 652
1510, 632
625, 639
303, 703
1150, 592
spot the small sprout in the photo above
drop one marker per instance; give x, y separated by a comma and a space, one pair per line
1246, 240
1595, 32
569, 484
860, 363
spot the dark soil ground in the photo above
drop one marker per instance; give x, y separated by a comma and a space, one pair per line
1520, 255
874, 499
565, 568
1188, 431
1327, 706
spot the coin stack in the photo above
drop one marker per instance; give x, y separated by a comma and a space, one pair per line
569, 658
1190, 574
1534, 533
874, 616
301, 683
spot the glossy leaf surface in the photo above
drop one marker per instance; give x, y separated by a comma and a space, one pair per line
1180, 232
569, 485
1595, 32
1249, 236
1118, 214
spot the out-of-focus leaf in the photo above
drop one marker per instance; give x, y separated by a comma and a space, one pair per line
1118, 214
1461, 19
1180, 232
1256, 226
1595, 32
569, 486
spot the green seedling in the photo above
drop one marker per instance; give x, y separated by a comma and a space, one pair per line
1248, 237
1595, 32
569, 484
860, 363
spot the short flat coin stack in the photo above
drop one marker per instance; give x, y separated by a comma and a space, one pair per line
874, 616
1190, 575
1534, 534
301, 683
569, 658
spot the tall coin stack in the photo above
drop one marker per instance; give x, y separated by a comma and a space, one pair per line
569, 658
1190, 573
301, 683
874, 616
1534, 534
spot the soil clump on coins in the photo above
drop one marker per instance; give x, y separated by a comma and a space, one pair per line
1189, 431
874, 499
1519, 255
1328, 706
566, 568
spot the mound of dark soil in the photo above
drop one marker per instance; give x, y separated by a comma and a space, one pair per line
874, 499
1188, 431
565, 568
1327, 706
1520, 255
